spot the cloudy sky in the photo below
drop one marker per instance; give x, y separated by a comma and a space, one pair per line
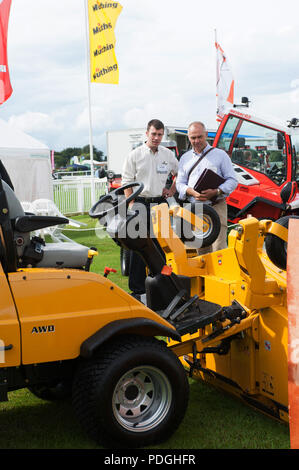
166, 56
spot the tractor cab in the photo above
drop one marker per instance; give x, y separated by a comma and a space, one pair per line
265, 162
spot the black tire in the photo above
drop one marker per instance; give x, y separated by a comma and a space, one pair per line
134, 394
60, 391
276, 248
124, 261
199, 239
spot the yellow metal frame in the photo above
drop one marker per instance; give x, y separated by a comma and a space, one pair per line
256, 365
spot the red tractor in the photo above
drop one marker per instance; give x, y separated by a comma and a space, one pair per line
266, 164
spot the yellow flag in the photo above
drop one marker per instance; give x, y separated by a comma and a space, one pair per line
102, 19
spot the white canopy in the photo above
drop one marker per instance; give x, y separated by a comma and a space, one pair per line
27, 162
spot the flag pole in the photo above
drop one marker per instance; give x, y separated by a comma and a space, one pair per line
89, 104
217, 72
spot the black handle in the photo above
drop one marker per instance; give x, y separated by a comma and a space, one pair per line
6, 348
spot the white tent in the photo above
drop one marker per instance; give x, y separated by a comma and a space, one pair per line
27, 162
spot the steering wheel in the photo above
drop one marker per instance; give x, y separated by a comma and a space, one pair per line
112, 200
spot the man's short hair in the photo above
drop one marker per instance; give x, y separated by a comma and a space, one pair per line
197, 123
156, 123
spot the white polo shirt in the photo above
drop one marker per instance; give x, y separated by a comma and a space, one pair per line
151, 169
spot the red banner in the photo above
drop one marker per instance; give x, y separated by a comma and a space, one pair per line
5, 85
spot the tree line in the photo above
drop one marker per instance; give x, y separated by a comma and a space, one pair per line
62, 158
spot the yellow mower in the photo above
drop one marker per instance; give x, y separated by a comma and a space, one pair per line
229, 307
67, 332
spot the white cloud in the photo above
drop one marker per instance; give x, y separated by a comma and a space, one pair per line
174, 109
99, 118
30, 122
295, 83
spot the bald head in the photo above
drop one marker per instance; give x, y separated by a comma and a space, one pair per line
197, 135
196, 124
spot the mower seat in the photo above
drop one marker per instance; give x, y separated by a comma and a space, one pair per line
33, 251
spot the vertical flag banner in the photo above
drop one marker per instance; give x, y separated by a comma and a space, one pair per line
102, 18
224, 82
5, 85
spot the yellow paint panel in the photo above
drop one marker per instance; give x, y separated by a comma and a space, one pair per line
9, 326
59, 309
273, 357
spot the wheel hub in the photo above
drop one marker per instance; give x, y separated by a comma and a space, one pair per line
134, 394
131, 392
141, 398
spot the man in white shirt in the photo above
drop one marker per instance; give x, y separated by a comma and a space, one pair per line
214, 159
150, 164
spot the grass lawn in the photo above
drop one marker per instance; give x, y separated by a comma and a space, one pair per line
214, 419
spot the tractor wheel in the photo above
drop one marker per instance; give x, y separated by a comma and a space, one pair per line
199, 238
276, 248
124, 261
135, 393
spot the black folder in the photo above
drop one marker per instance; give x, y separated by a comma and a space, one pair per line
208, 180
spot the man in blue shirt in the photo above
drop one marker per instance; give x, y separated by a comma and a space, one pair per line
214, 159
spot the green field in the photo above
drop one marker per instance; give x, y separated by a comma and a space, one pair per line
214, 420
